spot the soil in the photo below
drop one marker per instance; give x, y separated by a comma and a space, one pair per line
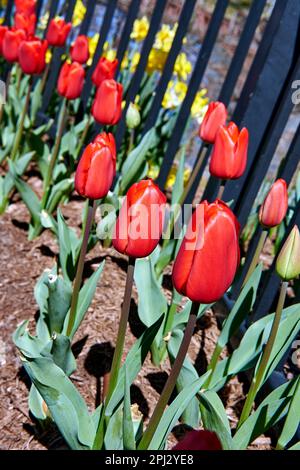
22, 262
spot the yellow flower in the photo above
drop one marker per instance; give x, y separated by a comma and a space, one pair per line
110, 54
164, 37
44, 20
183, 66
153, 171
140, 29
156, 60
1, 20
79, 13
172, 176
174, 95
134, 61
48, 56
200, 105
125, 61
93, 41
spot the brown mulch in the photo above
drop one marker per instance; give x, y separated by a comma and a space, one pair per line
22, 262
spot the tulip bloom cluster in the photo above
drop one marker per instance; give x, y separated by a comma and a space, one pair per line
18, 44
229, 154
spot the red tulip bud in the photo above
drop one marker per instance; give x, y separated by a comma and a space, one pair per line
97, 167
71, 80
105, 70
215, 117
25, 22
209, 254
140, 223
229, 155
274, 209
32, 56
58, 32
107, 107
11, 42
3, 30
199, 440
25, 6
80, 49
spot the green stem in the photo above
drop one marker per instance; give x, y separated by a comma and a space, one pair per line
174, 214
116, 363
21, 123
256, 256
171, 382
80, 266
259, 377
170, 318
58, 139
44, 78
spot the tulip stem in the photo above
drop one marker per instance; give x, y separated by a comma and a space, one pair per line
80, 265
256, 256
221, 189
174, 214
21, 123
58, 139
171, 382
116, 362
259, 377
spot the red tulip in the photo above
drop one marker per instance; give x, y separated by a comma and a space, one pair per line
209, 254
97, 167
215, 117
274, 209
140, 223
32, 55
107, 106
25, 22
25, 6
105, 70
58, 32
3, 30
11, 42
229, 155
80, 50
199, 440
71, 80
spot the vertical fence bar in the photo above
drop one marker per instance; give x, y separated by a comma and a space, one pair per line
39, 7
183, 24
140, 70
56, 63
259, 60
199, 69
90, 8
125, 38
241, 51
8, 12
106, 23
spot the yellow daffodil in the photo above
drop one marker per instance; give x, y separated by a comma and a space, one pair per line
93, 41
140, 29
156, 60
183, 66
79, 13
44, 20
1, 20
164, 37
200, 105
110, 54
134, 61
174, 95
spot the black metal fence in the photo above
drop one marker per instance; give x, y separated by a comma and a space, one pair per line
264, 105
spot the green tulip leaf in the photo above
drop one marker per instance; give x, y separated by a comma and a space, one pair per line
292, 420
62, 353
128, 429
59, 302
